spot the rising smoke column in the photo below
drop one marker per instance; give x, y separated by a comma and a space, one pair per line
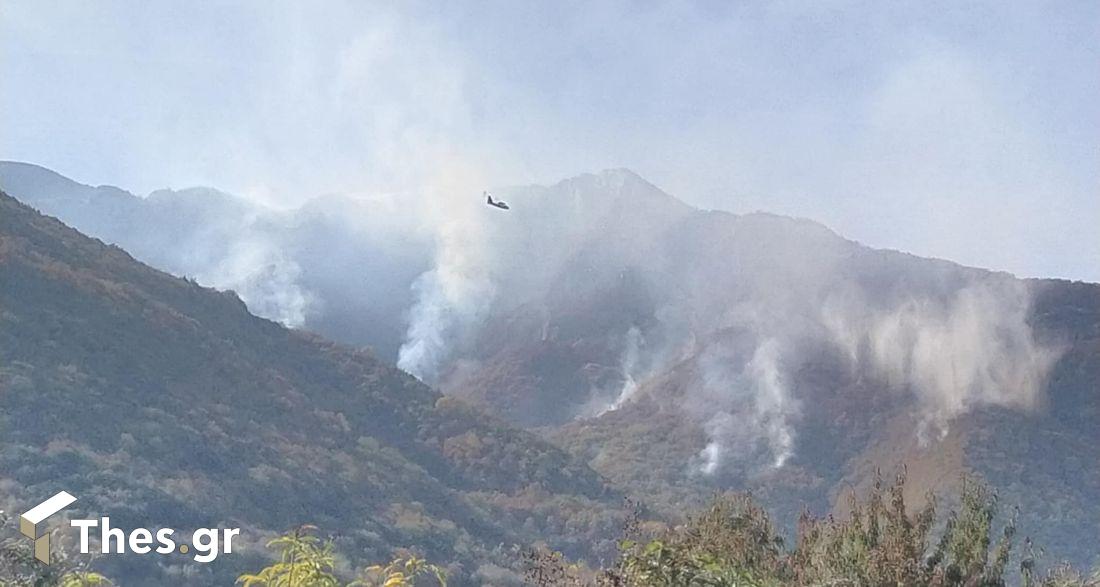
750, 411
450, 299
974, 349
949, 351
951, 354
268, 281
455, 295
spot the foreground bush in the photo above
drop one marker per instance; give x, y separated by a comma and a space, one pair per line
880, 543
308, 561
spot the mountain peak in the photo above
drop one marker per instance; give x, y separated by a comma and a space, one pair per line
621, 173
624, 190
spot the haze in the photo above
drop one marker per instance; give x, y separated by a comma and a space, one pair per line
966, 132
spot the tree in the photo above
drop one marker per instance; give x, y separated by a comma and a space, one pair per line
733, 543
84, 579
308, 561
304, 561
400, 572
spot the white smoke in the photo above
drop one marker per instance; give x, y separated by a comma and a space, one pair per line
456, 293
949, 353
975, 349
265, 278
749, 410
629, 367
223, 242
449, 300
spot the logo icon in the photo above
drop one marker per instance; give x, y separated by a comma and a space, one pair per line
33, 523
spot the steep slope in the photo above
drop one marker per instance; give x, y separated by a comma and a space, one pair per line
567, 291
160, 402
682, 351
337, 266
801, 425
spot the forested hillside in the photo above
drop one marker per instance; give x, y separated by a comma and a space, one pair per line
163, 403
679, 351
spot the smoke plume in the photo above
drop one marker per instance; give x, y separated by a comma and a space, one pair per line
973, 349
265, 278
452, 298
749, 411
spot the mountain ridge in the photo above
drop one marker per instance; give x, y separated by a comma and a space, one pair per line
681, 351
160, 402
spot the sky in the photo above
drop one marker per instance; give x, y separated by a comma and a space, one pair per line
967, 131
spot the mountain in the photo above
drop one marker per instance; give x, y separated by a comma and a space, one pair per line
680, 351
159, 402
337, 265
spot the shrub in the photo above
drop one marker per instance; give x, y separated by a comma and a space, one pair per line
733, 543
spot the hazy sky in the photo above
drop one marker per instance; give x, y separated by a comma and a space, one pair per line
965, 131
